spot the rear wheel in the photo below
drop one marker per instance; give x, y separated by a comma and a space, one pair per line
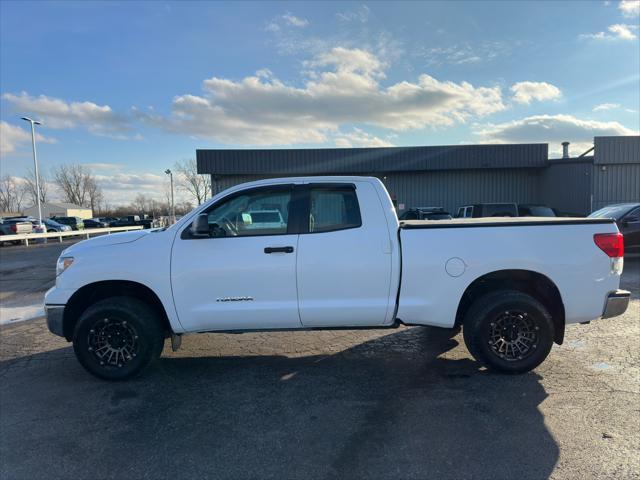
508, 331
118, 337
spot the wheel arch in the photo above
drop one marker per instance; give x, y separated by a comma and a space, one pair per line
87, 295
536, 284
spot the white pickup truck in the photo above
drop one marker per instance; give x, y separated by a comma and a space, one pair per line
339, 259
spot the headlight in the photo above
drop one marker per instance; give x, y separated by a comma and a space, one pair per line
63, 264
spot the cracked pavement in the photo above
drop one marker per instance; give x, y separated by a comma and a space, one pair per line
397, 404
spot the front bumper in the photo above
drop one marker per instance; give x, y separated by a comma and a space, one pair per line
55, 319
616, 304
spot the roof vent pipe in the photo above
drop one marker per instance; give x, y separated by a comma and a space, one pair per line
565, 149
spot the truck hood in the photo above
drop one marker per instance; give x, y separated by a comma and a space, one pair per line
107, 240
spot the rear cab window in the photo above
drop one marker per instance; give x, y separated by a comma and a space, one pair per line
333, 208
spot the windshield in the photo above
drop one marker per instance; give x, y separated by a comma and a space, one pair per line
613, 211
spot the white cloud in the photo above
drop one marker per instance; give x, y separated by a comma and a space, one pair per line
60, 114
623, 31
525, 92
104, 167
630, 8
606, 106
343, 87
295, 21
463, 53
360, 138
277, 24
13, 137
552, 129
618, 31
121, 187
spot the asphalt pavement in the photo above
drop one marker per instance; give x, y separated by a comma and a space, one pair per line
382, 404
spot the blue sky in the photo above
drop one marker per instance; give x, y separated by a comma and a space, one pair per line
129, 88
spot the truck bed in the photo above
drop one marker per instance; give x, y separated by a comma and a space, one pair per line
501, 222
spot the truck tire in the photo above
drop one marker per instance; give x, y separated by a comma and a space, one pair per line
118, 337
508, 331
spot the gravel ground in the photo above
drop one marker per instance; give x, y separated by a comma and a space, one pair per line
398, 404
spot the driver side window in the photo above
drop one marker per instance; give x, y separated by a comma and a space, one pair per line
257, 212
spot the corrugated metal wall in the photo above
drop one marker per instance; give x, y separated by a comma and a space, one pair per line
315, 161
575, 186
616, 171
566, 186
451, 189
448, 189
615, 184
610, 150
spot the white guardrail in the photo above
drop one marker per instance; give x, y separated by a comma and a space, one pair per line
25, 237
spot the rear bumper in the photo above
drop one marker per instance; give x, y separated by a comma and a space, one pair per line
55, 319
616, 303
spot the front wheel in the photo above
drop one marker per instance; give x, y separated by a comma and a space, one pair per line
508, 331
118, 337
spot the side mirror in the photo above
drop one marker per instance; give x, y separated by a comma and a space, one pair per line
200, 226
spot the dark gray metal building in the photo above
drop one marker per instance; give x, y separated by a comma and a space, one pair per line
450, 176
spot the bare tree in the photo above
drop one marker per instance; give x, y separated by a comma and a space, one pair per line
190, 181
140, 204
94, 193
12, 193
30, 186
78, 185
71, 180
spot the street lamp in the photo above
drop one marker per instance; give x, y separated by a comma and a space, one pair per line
35, 162
173, 210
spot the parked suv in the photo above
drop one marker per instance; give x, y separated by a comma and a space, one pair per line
132, 220
627, 217
75, 223
53, 226
425, 213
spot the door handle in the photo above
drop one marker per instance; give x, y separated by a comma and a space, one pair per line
278, 249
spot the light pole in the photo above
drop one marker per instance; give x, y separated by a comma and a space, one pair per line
173, 210
35, 162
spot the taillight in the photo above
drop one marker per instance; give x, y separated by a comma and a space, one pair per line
14, 228
610, 243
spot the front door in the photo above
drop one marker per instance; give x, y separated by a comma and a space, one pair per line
243, 275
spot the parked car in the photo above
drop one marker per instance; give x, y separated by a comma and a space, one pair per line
50, 225
14, 226
76, 223
53, 226
627, 217
425, 213
94, 223
108, 220
526, 210
132, 220
479, 210
22, 218
514, 284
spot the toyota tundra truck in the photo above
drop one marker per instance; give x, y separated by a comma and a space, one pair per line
339, 259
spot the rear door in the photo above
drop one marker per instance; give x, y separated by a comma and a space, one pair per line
344, 257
